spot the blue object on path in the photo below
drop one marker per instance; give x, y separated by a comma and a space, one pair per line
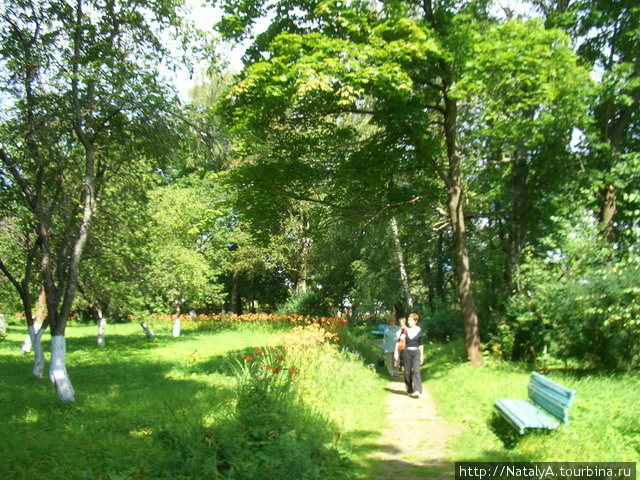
380, 330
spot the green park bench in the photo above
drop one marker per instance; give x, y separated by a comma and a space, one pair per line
548, 407
379, 331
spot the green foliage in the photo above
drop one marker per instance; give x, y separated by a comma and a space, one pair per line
580, 300
313, 302
443, 324
186, 247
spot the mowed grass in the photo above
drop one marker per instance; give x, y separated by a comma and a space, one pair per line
604, 420
134, 390
124, 393
129, 392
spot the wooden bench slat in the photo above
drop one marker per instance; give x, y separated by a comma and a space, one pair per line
549, 403
549, 400
523, 414
561, 394
554, 398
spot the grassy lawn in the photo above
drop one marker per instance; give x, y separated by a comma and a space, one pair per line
139, 401
605, 418
124, 393
147, 409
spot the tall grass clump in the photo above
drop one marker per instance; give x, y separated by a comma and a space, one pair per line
294, 402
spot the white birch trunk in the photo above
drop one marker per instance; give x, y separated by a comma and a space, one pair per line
58, 370
101, 325
147, 330
176, 320
40, 314
26, 345
176, 326
403, 268
35, 341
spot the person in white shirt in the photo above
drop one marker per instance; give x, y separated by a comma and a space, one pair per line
389, 341
412, 355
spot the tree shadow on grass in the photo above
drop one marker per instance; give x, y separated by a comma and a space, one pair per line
385, 469
10, 345
122, 404
382, 461
114, 342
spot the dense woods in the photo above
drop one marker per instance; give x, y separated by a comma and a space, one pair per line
475, 162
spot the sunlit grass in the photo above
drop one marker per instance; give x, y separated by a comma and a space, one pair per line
140, 402
604, 421
124, 393
150, 408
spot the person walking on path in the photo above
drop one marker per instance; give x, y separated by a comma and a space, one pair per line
413, 355
402, 323
389, 340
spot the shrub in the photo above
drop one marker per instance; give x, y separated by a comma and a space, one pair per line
579, 301
310, 303
442, 324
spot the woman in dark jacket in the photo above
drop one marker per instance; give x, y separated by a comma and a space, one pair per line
412, 355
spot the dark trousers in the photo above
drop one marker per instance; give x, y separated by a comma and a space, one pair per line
412, 378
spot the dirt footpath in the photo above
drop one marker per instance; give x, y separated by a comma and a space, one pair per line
417, 449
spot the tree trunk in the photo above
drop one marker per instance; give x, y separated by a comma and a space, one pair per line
40, 315
101, 326
431, 292
58, 370
26, 345
440, 291
403, 270
518, 216
35, 339
41, 312
233, 301
147, 331
614, 129
608, 199
176, 320
301, 284
302, 273
460, 257
459, 250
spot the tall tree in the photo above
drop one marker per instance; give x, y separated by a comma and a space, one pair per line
610, 31
179, 239
396, 68
526, 93
401, 264
607, 35
85, 97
